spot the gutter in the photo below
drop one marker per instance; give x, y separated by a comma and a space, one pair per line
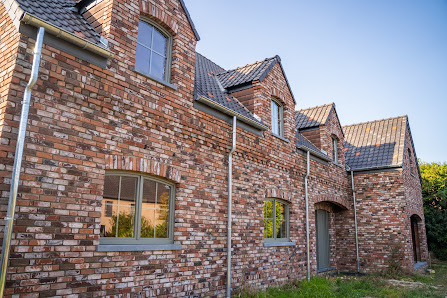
229, 221
9, 219
376, 168
307, 213
355, 223
227, 111
315, 153
83, 43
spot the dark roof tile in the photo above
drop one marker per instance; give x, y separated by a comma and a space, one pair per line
61, 13
375, 144
206, 84
313, 117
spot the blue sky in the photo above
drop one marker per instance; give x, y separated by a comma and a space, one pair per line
374, 59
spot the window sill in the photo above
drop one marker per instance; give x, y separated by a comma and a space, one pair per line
273, 244
281, 138
137, 247
167, 84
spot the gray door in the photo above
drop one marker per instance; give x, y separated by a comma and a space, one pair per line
322, 220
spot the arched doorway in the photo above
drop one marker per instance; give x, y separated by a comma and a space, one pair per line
415, 238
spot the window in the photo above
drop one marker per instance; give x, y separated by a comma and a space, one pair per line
276, 220
137, 209
153, 56
335, 150
277, 118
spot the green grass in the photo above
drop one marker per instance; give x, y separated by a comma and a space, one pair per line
359, 286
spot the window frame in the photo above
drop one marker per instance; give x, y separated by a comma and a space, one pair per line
137, 228
167, 77
287, 220
335, 149
280, 117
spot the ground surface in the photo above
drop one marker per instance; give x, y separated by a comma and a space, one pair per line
395, 285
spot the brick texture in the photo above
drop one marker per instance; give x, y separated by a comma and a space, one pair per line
85, 120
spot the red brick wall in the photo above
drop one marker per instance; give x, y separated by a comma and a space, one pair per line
313, 136
382, 218
9, 38
413, 194
85, 120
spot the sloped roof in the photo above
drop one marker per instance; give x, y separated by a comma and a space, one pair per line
206, 84
62, 14
256, 71
302, 141
248, 73
313, 117
374, 144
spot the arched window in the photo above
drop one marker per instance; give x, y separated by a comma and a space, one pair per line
153, 56
276, 220
136, 209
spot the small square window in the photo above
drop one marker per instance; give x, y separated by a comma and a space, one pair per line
153, 53
276, 220
277, 118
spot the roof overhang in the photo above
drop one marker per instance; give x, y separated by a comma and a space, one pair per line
34, 21
227, 111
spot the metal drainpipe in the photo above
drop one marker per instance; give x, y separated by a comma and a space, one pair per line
355, 224
18, 159
307, 214
230, 186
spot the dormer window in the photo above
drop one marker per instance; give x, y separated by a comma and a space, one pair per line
153, 55
335, 150
277, 118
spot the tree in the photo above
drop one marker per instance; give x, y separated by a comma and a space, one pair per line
434, 194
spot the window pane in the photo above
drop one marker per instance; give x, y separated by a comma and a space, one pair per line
275, 120
145, 33
158, 66
280, 211
162, 224
111, 187
125, 224
281, 231
159, 44
268, 228
268, 209
142, 59
148, 208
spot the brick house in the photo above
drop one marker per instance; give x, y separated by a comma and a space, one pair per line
125, 179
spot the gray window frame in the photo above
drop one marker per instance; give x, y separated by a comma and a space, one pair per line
137, 239
167, 77
281, 117
287, 220
334, 149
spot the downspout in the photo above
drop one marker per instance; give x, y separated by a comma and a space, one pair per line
9, 219
355, 224
307, 214
230, 186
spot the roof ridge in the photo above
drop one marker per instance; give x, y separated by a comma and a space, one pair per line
320, 106
403, 116
249, 64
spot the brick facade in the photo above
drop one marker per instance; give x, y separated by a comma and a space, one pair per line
85, 120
